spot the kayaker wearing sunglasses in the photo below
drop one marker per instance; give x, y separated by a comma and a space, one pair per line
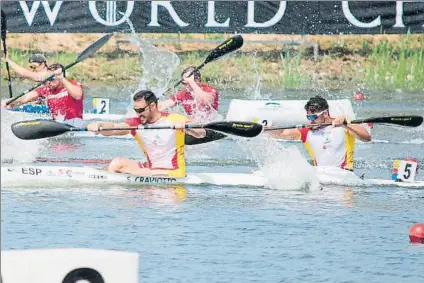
330, 145
163, 149
38, 68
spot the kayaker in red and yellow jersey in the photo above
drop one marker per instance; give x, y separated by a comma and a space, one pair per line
331, 145
163, 149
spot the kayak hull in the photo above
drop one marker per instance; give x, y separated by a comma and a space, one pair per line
36, 175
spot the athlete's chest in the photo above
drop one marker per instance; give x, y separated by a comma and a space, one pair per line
158, 137
189, 101
327, 139
57, 97
163, 137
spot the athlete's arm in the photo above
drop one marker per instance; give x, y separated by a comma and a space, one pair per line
30, 96
196, 133
163, 105
356, 130
74, 90
359, 132
288, 134
21, 71
199, 93
94, 127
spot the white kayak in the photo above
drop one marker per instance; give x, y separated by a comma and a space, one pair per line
36, 175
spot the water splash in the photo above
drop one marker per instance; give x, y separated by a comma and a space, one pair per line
284, 166
255, 91
14, 150
258, 78
158, 66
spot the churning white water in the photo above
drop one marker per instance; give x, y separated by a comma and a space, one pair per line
14, 149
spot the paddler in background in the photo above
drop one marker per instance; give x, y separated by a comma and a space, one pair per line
200, 102
330, 145
37, 64
163, 149
37, 73
63, 97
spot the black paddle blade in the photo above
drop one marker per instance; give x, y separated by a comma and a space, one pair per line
210, 137
408, 121
90, 50
39, 129
241, 129
3, 25
225, 48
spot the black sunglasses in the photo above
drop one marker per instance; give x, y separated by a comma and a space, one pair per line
142, 109
34, 67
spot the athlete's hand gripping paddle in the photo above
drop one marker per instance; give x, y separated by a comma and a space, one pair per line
225, 48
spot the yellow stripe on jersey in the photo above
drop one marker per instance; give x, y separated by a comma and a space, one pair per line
138, 139
349, 151
311, 152
180, 144
350, 148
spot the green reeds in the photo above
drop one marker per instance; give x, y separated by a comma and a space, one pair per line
393, 67
292, 74
386, 65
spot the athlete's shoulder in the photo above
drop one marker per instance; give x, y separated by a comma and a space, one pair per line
133, 121
43, 90
180, 96
175, 117
75, 82
304, 133
208, 88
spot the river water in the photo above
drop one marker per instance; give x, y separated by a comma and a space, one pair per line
230, 234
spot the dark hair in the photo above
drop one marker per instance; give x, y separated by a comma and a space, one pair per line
316, 103
196, 73
147, 95
57, 66
37, 58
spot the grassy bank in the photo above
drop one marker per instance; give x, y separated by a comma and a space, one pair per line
375, 62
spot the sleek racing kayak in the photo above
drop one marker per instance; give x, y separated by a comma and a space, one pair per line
36, 175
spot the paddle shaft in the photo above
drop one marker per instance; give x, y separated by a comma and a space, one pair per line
3, 38
39, 128
191, 73
9, 81
408, 121
142, 128
180, 81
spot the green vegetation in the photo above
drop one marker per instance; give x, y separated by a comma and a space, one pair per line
396, 68
382, 65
